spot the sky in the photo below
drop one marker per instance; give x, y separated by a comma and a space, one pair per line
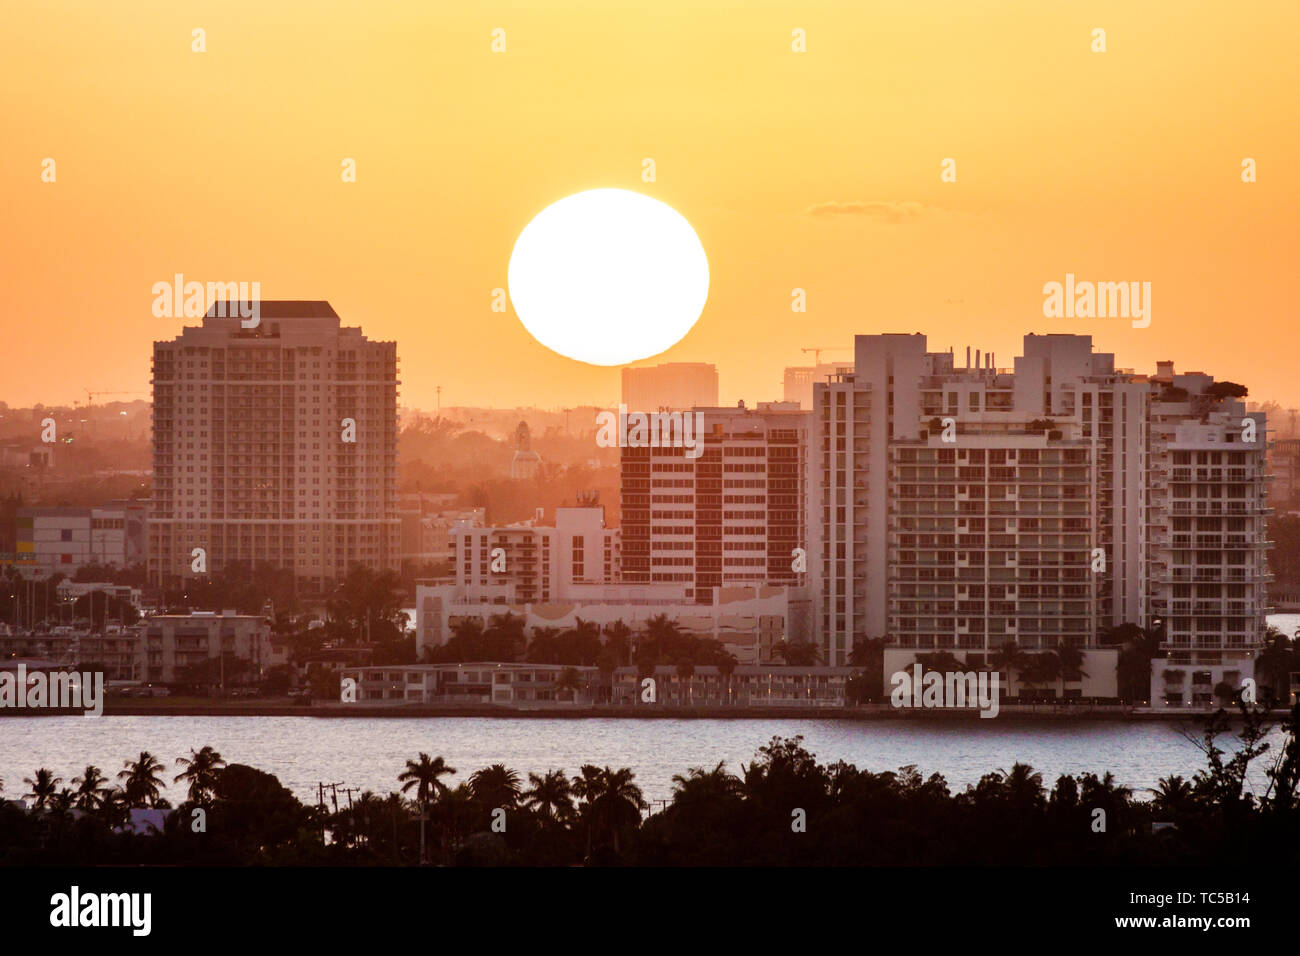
817, 170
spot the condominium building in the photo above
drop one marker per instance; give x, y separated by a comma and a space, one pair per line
426, 527
728, 512
528, 563
750, 623
173, 643
1284, 465
673, 385
959, 508
160, 649
562, 575
274, 444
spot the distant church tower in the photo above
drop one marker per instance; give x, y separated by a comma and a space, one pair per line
526, 461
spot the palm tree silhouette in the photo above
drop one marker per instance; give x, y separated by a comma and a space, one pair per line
92, 788
424, 775
44, 786
495, 786
201, 769
551, 795
612, 803
142, 783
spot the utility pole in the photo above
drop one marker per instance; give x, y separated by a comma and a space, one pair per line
439, 390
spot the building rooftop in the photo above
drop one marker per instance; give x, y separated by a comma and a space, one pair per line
284, 309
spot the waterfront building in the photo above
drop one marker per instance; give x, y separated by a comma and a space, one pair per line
539, 685
554, 576
961, 508
274, 444
728, 512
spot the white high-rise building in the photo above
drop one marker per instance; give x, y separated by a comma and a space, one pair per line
962, 508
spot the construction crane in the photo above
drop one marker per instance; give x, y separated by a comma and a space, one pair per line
817, 351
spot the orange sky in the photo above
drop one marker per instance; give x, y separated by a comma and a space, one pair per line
1123, 165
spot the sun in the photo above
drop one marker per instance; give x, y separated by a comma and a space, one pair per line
608, 277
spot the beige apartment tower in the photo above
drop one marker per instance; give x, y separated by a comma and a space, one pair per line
274, 444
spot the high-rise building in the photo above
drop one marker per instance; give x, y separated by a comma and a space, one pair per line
800, 379
961, 508
731, 515
673, 385
274, 444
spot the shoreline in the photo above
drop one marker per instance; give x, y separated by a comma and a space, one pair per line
1022, 712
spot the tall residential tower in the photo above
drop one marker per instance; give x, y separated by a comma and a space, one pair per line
274, 444
960, 508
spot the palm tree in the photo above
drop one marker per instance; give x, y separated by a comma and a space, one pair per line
423, 775
201, 769
44, 786
618, 639
1024, 786
505, 636
1071, 659
701, 786
1173, 795
543, 648
62, 802
661, 637
92, 788
797, 653
1039, 669
607, 664
1007, 658
568, 680
551, 795
143, 784
943, 661
1275, 663
495, 786
611, 801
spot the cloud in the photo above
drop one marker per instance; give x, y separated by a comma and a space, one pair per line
892, 211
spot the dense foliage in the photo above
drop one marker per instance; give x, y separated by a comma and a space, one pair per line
784, 808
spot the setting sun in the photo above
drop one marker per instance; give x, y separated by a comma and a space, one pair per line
608, 277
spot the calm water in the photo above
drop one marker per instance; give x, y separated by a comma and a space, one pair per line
370, 752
